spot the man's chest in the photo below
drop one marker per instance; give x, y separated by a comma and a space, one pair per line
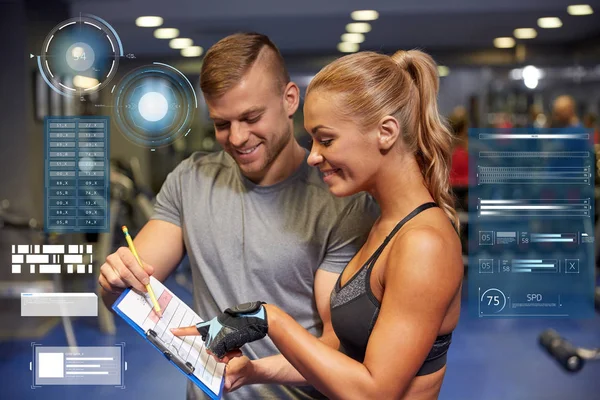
243, 239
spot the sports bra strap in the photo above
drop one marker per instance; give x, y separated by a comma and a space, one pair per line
399, 225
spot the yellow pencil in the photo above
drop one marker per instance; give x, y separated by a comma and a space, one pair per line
135, 254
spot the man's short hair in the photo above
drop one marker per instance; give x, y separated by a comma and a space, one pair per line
230, 58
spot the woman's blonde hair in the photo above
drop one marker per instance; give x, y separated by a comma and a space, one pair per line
405, 85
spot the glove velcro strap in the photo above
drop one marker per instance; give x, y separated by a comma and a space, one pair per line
245, 308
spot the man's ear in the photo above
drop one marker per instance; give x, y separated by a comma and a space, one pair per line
388, 132
291, 98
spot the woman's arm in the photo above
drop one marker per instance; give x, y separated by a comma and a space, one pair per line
423, 274
276, 369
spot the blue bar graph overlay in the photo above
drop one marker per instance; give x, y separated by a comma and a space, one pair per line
531, 223
77, 174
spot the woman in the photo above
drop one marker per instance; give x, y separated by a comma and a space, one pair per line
376, 128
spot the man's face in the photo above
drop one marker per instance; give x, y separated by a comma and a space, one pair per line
560, 116
563, 111
252, 121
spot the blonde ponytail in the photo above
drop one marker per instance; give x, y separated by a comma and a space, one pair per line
433, 138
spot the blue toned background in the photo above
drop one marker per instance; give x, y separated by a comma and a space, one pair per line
481, 86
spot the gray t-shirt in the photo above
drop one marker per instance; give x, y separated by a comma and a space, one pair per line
247, 242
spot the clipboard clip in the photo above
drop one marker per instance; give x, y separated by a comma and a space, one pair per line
185, 366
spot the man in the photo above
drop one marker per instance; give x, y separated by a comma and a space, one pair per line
564, 113
255, 220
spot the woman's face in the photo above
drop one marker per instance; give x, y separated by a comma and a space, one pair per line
347, 156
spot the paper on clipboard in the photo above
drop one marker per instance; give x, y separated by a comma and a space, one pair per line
176, 314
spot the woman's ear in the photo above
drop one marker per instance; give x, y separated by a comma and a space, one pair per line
389, 132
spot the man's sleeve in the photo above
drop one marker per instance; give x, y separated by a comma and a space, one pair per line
168, 206
349, 232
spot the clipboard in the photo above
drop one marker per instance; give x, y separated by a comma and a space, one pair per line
211, 379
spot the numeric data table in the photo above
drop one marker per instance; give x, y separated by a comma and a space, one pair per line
77, 174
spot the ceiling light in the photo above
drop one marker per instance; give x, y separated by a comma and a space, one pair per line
549, 22
504, 42
531, 72
353, 37
85, 82
443, 70
358, 27
580, 9
166, 33
192, 51
153, 106
525, 33
531, 76
531, 83
364, 15
180, 43
149, 22
346, 47
516, 74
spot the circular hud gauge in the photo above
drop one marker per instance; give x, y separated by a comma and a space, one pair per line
80, 55
154, 105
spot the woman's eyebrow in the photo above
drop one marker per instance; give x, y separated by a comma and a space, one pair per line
316, 128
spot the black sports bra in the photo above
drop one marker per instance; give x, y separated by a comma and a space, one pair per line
354, 310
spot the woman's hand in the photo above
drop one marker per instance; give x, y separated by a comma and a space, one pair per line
232, 329
239, 372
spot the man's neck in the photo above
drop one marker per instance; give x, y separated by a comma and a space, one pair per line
286, 163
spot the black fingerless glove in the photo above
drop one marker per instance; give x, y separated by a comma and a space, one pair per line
234, 328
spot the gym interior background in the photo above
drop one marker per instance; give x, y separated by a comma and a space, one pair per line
490, 359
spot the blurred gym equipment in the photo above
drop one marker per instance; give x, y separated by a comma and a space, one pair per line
570, 357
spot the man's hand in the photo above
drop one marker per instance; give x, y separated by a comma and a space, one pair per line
121, 271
